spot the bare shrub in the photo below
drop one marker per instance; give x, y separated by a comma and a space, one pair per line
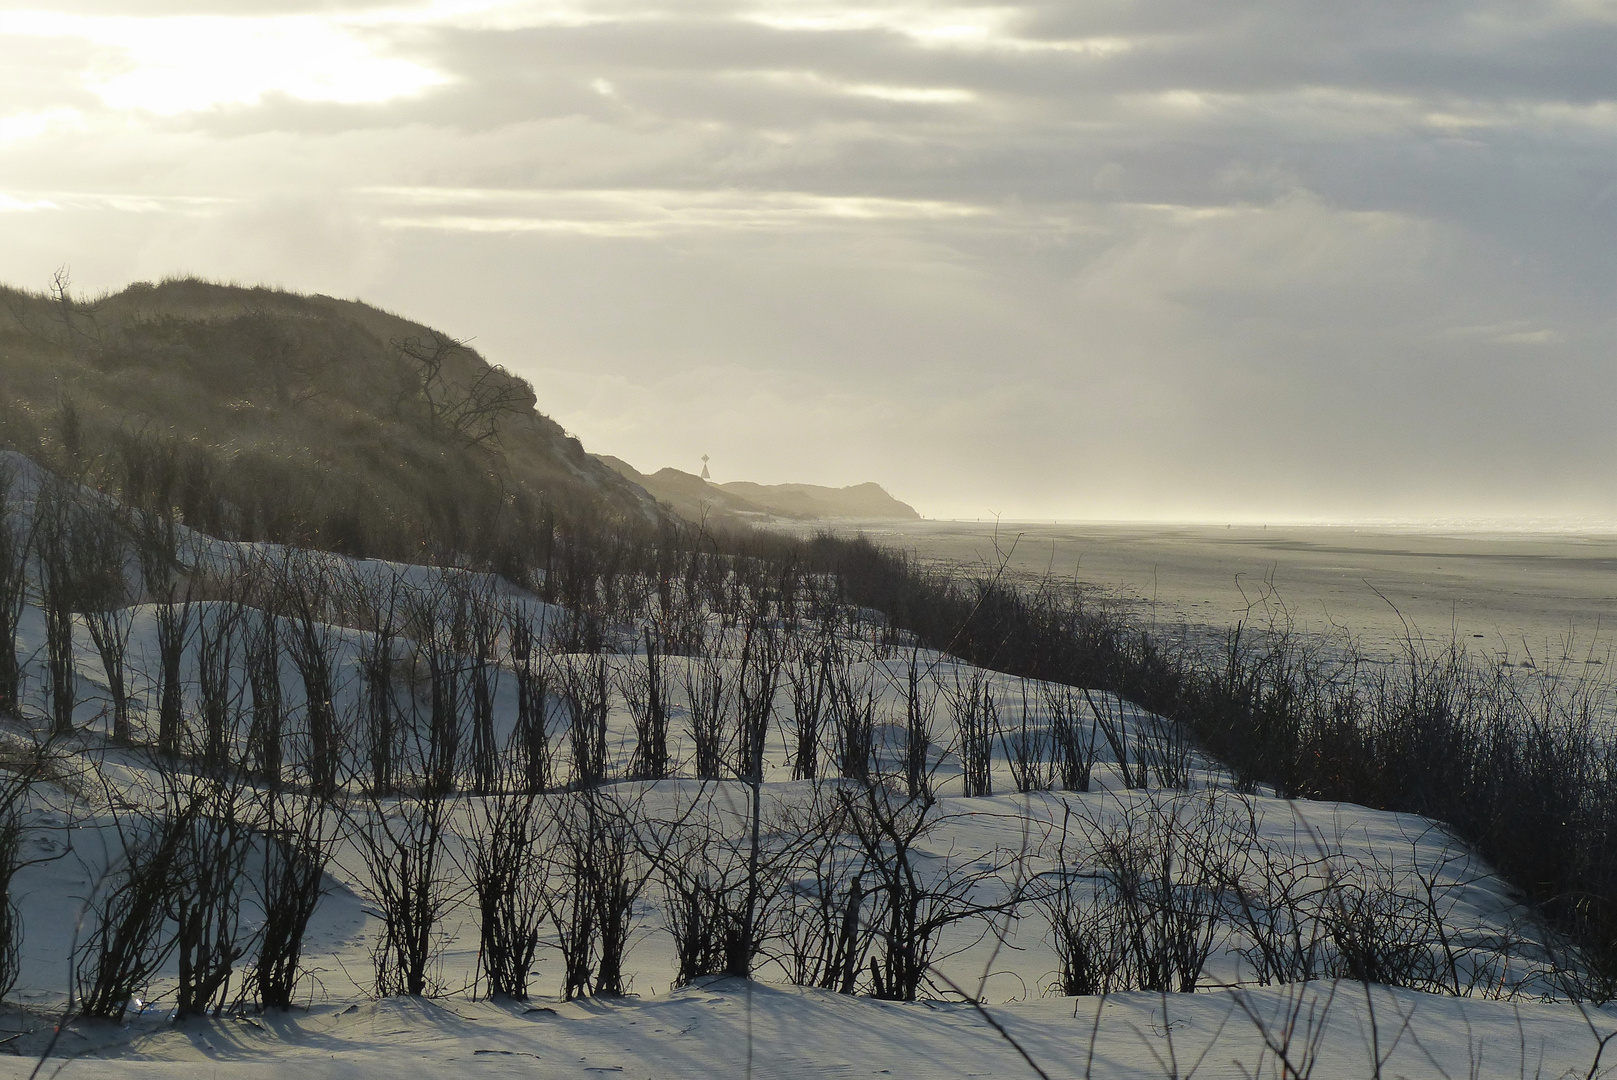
436, 658
404, 840
127, 942
16, 541
1086, 935
704, 873
1311, 911
58, 533
218, 694
297, 833
971, 707
157, 548
1167, 751
505, 862
380, 616
174, 887
645, 692
1108, 713
1157, 874
1404, 924
822, 938
173, 631
262, 648
205, 901
679, 625
403, 844
1073, 732
920, 893
852, 705
1378, 936
26, 761
107, 600
586, 699
597, 873
717, 901
11, 861
809, 681
1276, 894
920, 704
1027, 748
466, 411
1294, 1033
533, 690
482, 677
312, 648
758, 676
707, 696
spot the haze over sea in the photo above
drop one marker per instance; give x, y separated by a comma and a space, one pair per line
1519, 594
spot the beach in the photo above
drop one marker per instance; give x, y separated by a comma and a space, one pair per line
1528, 596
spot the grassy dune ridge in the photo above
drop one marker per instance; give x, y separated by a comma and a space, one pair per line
264, 414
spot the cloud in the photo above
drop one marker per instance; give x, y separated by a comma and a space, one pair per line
172, 64
1126, 257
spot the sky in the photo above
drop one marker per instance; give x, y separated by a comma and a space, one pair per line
1126, 259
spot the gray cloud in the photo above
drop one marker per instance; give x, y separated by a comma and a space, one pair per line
1147, 258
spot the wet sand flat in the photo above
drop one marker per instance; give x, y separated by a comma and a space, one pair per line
1519, 593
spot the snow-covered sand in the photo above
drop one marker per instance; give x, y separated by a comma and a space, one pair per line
767, 1028
726, 1028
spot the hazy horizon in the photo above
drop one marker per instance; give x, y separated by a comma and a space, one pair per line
1153, 261
1526, 526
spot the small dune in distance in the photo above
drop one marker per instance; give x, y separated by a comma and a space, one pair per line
694, 498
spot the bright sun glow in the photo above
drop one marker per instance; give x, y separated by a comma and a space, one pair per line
178, 64
34, 124
186, 63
